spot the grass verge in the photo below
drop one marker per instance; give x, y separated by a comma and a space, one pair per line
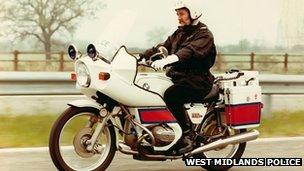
34, 130
283, 123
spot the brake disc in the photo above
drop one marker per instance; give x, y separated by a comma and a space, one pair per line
79, 142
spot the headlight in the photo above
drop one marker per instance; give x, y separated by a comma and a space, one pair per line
83, 75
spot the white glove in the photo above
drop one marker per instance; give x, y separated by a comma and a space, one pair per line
159, 64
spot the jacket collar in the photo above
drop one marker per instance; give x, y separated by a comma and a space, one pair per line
189, 28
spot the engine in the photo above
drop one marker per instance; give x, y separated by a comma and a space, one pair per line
163, 135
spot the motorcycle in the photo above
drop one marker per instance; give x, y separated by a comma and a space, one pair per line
124, 111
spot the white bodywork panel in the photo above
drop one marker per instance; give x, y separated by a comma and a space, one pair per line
237, 91
196, 112
243, 95
153, 82
85, 103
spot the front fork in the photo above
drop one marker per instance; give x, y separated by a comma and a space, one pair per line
99, 127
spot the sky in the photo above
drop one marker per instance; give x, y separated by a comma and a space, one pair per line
229, 20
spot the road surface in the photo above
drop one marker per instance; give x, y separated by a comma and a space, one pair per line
30, 159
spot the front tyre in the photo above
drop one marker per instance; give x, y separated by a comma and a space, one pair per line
69, 134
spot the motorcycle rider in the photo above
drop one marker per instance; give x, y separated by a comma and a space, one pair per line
192, 53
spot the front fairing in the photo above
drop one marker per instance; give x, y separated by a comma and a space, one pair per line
123, 85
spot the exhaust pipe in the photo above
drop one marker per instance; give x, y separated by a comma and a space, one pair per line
126, 149
235, 139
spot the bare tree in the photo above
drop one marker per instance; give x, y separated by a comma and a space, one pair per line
44, 19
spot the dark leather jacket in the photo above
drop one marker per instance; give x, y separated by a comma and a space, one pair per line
194, 45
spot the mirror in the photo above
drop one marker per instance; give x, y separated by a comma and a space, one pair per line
163, 51
72, 51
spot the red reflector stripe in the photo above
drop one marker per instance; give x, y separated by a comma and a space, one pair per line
155, 116
243, 114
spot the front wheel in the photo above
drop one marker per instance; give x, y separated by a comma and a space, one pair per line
235, 151
69, 134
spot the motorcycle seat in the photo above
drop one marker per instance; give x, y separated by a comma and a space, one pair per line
213, 94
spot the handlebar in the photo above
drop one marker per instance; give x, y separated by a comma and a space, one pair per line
149, 62
163, 53
146, 64
232, 78
233, 71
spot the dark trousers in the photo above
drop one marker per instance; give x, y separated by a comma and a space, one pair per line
176, 96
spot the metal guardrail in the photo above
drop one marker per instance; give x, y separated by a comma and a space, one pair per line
282, 84
59, 83
36, 83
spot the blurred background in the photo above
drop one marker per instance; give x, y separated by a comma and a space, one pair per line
35, 85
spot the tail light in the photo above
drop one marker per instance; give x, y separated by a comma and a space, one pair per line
104, 76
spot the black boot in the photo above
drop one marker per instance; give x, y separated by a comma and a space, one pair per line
185, 143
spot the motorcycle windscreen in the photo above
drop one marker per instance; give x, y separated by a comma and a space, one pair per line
124, 66
114, 34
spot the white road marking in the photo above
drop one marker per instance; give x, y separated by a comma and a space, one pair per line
277, 139
33, 149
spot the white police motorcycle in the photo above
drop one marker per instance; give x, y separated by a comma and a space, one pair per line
125, 111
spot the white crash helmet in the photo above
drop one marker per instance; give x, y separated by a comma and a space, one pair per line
192, 5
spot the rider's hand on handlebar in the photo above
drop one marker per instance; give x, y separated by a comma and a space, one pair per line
142, 62
160, 64
141, 57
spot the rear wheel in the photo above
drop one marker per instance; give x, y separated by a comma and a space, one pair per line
209, 129
69, 137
